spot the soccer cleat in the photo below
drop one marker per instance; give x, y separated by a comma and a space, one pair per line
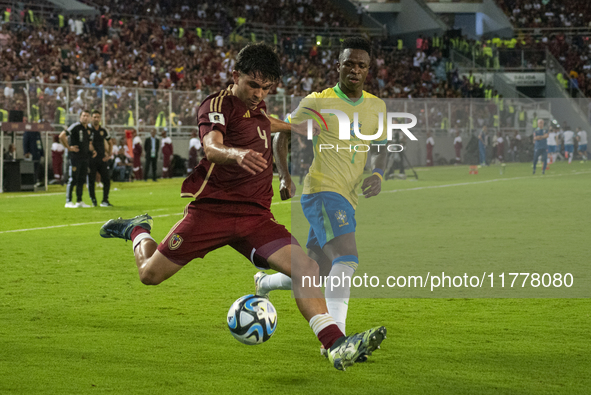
94, 203
82, 204
347, 350
106, 204
70, 205
121, 228
257, 287
360, 359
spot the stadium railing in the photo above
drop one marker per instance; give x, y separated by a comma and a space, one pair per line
503, 60
135, 108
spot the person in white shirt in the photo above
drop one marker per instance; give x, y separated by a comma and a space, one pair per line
582, 140
418, 60
552, 146
307, 83
569, 144
9, 91
194, 152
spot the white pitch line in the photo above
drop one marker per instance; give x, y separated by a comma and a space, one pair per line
297, 201
482, 182
80, 224
36, 195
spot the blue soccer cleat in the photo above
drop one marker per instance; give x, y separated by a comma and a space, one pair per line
349, 350
121, 228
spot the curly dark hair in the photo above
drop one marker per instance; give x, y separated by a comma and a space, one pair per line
259, 60
355, 43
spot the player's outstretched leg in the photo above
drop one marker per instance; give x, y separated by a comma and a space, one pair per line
153, 266
293, 262
265, 283
347, 350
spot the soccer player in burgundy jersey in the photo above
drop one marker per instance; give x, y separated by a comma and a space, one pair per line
232, 192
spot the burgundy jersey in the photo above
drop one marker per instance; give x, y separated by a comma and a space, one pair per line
241, 128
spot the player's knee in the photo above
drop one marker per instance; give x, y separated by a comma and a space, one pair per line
309, 267
149, 277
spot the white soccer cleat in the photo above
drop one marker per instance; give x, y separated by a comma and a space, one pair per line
82, 204
70, 205
257, 287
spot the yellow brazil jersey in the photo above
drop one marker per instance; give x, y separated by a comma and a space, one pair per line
338, 163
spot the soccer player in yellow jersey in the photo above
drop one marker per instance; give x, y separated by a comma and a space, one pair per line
331, 187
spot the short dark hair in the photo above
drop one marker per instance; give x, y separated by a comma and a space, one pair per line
355, 43
84, 111
259, 60
95, 112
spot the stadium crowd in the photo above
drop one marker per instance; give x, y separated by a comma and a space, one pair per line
547, 13
104, 56
233, 12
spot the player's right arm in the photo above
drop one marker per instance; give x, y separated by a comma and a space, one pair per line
64, 140
216, 152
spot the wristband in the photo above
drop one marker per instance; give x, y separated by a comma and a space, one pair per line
379, 173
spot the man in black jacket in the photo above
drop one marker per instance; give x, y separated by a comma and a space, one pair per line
151, 148
103, 145
77, 142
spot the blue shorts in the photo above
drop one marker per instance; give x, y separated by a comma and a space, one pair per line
329, 214
570, 148
582, 147
552, 149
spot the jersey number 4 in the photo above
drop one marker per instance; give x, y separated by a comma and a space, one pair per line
263, 135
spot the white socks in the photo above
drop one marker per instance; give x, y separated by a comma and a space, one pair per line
320, 321
142, 236
275, 281
337, 298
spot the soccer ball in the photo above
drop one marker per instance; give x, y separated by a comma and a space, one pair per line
252, 319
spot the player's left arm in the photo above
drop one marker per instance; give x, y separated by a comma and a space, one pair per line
372, 185
287, 188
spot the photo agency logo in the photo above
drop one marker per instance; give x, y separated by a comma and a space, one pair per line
351, 131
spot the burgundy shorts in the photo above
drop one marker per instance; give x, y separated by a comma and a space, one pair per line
210, 224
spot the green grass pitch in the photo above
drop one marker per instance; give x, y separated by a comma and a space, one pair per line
75, 319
